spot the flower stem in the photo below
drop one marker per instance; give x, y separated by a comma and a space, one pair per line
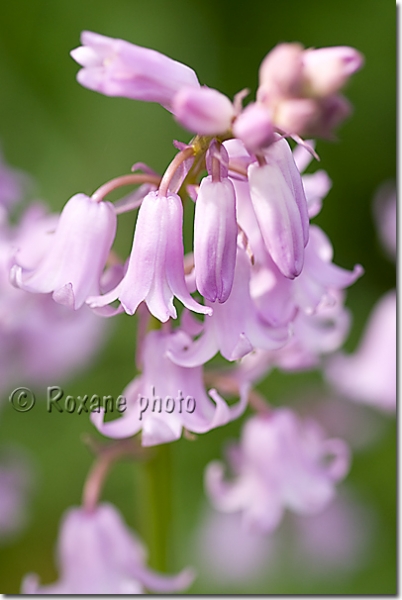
157, 506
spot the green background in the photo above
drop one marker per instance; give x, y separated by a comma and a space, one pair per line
72, 140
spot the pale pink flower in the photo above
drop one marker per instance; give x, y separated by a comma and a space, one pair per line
73, 264
155, 272
117, 68
98, 554
385, 214
369, 374
281, 463
301, 87
234, 329
254, 127
167, 398
15, 492
215, 237
203, 110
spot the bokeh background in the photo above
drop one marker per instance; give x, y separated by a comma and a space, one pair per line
72, 140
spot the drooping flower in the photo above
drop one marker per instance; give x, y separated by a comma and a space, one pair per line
281, 463
167, 398
40, 340
215, 234
73, 264
155, 272
369, 374
98, 554
280, 207
234, 329
117, 68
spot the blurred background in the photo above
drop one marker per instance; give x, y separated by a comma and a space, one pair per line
69, 140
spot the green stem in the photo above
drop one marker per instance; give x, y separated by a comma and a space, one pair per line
157, 506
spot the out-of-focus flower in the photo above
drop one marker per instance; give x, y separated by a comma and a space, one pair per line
155, 272
73, 265
117, 68
280, 463
15, 491
384, 208
227, 552
39, 339
167, 398
254, 127
369, 374
98, 554
300, 88
11, 185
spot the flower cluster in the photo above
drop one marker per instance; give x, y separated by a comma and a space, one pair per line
258, 286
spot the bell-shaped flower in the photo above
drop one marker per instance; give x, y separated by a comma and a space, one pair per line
155, 272
281, 462
73, 264
234, 329
167, 398
98, 554
215, 237
278, 218
203, 110
117, 68
369, 374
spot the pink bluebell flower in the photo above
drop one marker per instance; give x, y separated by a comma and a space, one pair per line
235, 328
167, 398
369, 374
215, 233
281, 463
76, 257
155, 272
117, 68
98, 554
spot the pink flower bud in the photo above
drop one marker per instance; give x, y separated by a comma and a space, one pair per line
254, 127
117, 68
326, 70
203, 110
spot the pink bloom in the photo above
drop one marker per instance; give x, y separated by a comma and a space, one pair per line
167, 398
98, 554
280, 463
300, 87
254, 127
234, 329
203, 110
384, 208
215, 238
39, 339
155, 272
117, 68
280, 206
369, 374
74, 262
11, 185
15, 491
327, 70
